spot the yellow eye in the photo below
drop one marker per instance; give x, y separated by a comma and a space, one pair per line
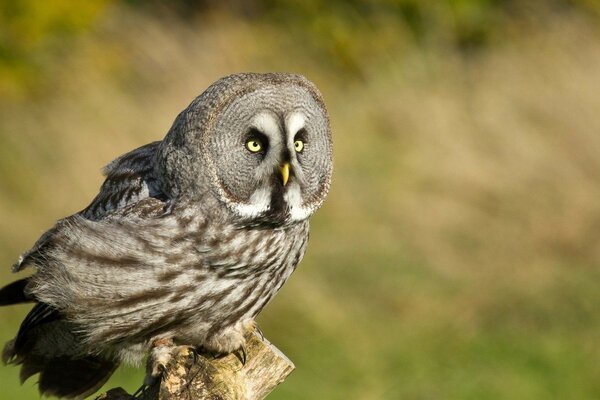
254, 145
299, 146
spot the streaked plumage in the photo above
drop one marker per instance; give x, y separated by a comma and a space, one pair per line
188, 239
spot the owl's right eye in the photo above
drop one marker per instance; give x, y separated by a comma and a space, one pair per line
254, 145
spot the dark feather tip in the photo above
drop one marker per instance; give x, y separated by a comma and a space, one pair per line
14, 293
8, 354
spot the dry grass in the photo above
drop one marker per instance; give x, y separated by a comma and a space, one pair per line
457, 254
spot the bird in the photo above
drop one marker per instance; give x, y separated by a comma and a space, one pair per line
186, 242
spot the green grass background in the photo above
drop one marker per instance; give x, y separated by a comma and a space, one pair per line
457, 255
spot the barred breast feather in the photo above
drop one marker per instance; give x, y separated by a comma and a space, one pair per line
125, 281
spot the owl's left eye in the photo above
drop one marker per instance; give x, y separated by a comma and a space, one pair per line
299, 146
254, 145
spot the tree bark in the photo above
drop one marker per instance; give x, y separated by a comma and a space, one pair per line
191, 376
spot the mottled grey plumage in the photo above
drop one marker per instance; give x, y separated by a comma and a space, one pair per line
188, 239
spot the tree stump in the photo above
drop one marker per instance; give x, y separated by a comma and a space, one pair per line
192, 376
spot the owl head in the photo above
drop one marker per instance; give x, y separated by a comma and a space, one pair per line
260, 143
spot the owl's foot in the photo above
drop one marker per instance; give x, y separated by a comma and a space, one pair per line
163, 351
231, 341
161, 354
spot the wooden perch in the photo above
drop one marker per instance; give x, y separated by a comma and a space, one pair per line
196, 377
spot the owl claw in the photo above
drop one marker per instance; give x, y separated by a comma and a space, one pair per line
195, 353
259, 331
162, 370
241, 354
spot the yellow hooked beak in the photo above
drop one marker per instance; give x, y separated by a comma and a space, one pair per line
285, 172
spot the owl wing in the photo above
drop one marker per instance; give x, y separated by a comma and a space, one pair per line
85, 246
129, 179
45, 343
130, 188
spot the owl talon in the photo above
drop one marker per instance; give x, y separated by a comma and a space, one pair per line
241, 355
162, 370
195, 353
259, 331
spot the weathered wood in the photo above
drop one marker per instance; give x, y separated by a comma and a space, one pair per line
192, 376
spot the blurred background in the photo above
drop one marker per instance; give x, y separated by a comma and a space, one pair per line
457, 255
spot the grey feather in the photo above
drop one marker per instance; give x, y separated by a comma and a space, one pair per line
129, 179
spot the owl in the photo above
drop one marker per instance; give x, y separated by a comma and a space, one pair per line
187, 241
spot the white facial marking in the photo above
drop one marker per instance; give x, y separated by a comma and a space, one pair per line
294, 122
267, 123
259, 203
293, 198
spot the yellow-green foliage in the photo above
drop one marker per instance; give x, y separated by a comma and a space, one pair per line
31, 30
35, 36
457, 255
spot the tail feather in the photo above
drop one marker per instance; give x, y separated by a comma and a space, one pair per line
46, 345
29, 367
78, 378
8, 354
65, 377
14, 293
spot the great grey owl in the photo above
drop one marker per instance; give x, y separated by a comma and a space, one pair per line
186, 242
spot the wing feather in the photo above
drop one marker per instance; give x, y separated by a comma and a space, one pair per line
130, 187
129, 179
